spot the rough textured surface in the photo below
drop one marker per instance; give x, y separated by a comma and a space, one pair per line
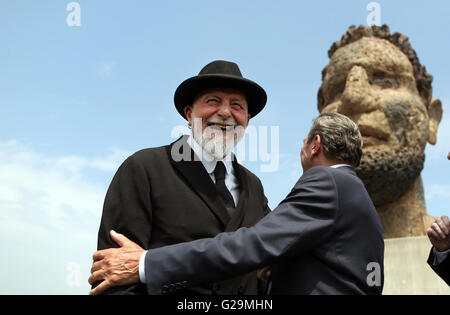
397, 170
406, 270
377, 80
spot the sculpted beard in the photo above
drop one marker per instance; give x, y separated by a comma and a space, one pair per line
212, 140
387, 175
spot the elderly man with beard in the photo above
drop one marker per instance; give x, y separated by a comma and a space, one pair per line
376, 79
193, 188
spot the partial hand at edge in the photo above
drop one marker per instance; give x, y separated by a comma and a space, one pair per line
439, 233
264, 273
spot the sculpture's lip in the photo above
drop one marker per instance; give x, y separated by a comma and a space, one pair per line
373, 131
373, 135
369, 141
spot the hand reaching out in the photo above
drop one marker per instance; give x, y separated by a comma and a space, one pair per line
439, 234
116, 266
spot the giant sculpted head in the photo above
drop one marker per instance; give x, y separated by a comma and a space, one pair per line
376, 79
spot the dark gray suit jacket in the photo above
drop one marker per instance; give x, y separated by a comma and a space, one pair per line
325, 237
442, 269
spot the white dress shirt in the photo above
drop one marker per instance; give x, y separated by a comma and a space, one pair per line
209, 162
339, 165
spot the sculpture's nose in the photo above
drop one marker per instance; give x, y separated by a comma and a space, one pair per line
356, 97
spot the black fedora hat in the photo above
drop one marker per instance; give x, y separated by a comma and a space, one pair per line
220, 74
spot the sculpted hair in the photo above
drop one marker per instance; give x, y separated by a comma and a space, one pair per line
340, 137
423, 78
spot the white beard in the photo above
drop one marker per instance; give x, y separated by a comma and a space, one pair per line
212, 141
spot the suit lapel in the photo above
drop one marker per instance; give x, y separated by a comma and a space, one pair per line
191, 168
238, 217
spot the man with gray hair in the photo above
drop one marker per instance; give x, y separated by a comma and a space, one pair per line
325, 237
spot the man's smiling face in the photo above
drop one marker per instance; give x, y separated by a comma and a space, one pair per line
218, 118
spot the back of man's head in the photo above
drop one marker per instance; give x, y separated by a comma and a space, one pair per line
340, 136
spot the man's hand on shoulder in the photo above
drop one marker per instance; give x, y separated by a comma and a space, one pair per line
116, 266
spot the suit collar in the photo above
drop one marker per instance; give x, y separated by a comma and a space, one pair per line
188, 164
195, 174
347, 169
340, 165
238, 217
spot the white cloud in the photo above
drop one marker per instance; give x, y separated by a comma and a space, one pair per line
109, 163
49, 217
105, 69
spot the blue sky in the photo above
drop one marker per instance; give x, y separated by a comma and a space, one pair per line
76, 101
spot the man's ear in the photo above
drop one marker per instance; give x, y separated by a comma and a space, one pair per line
435, 115
317, 144
187, 114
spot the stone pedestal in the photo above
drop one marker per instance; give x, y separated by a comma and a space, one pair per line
406, 270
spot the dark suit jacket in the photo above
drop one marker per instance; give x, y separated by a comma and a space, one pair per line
324, 238
156, 199
442, 269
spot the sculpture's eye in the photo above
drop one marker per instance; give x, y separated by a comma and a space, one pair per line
336, 91
384, 82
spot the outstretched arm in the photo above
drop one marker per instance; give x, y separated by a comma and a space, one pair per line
296, 226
